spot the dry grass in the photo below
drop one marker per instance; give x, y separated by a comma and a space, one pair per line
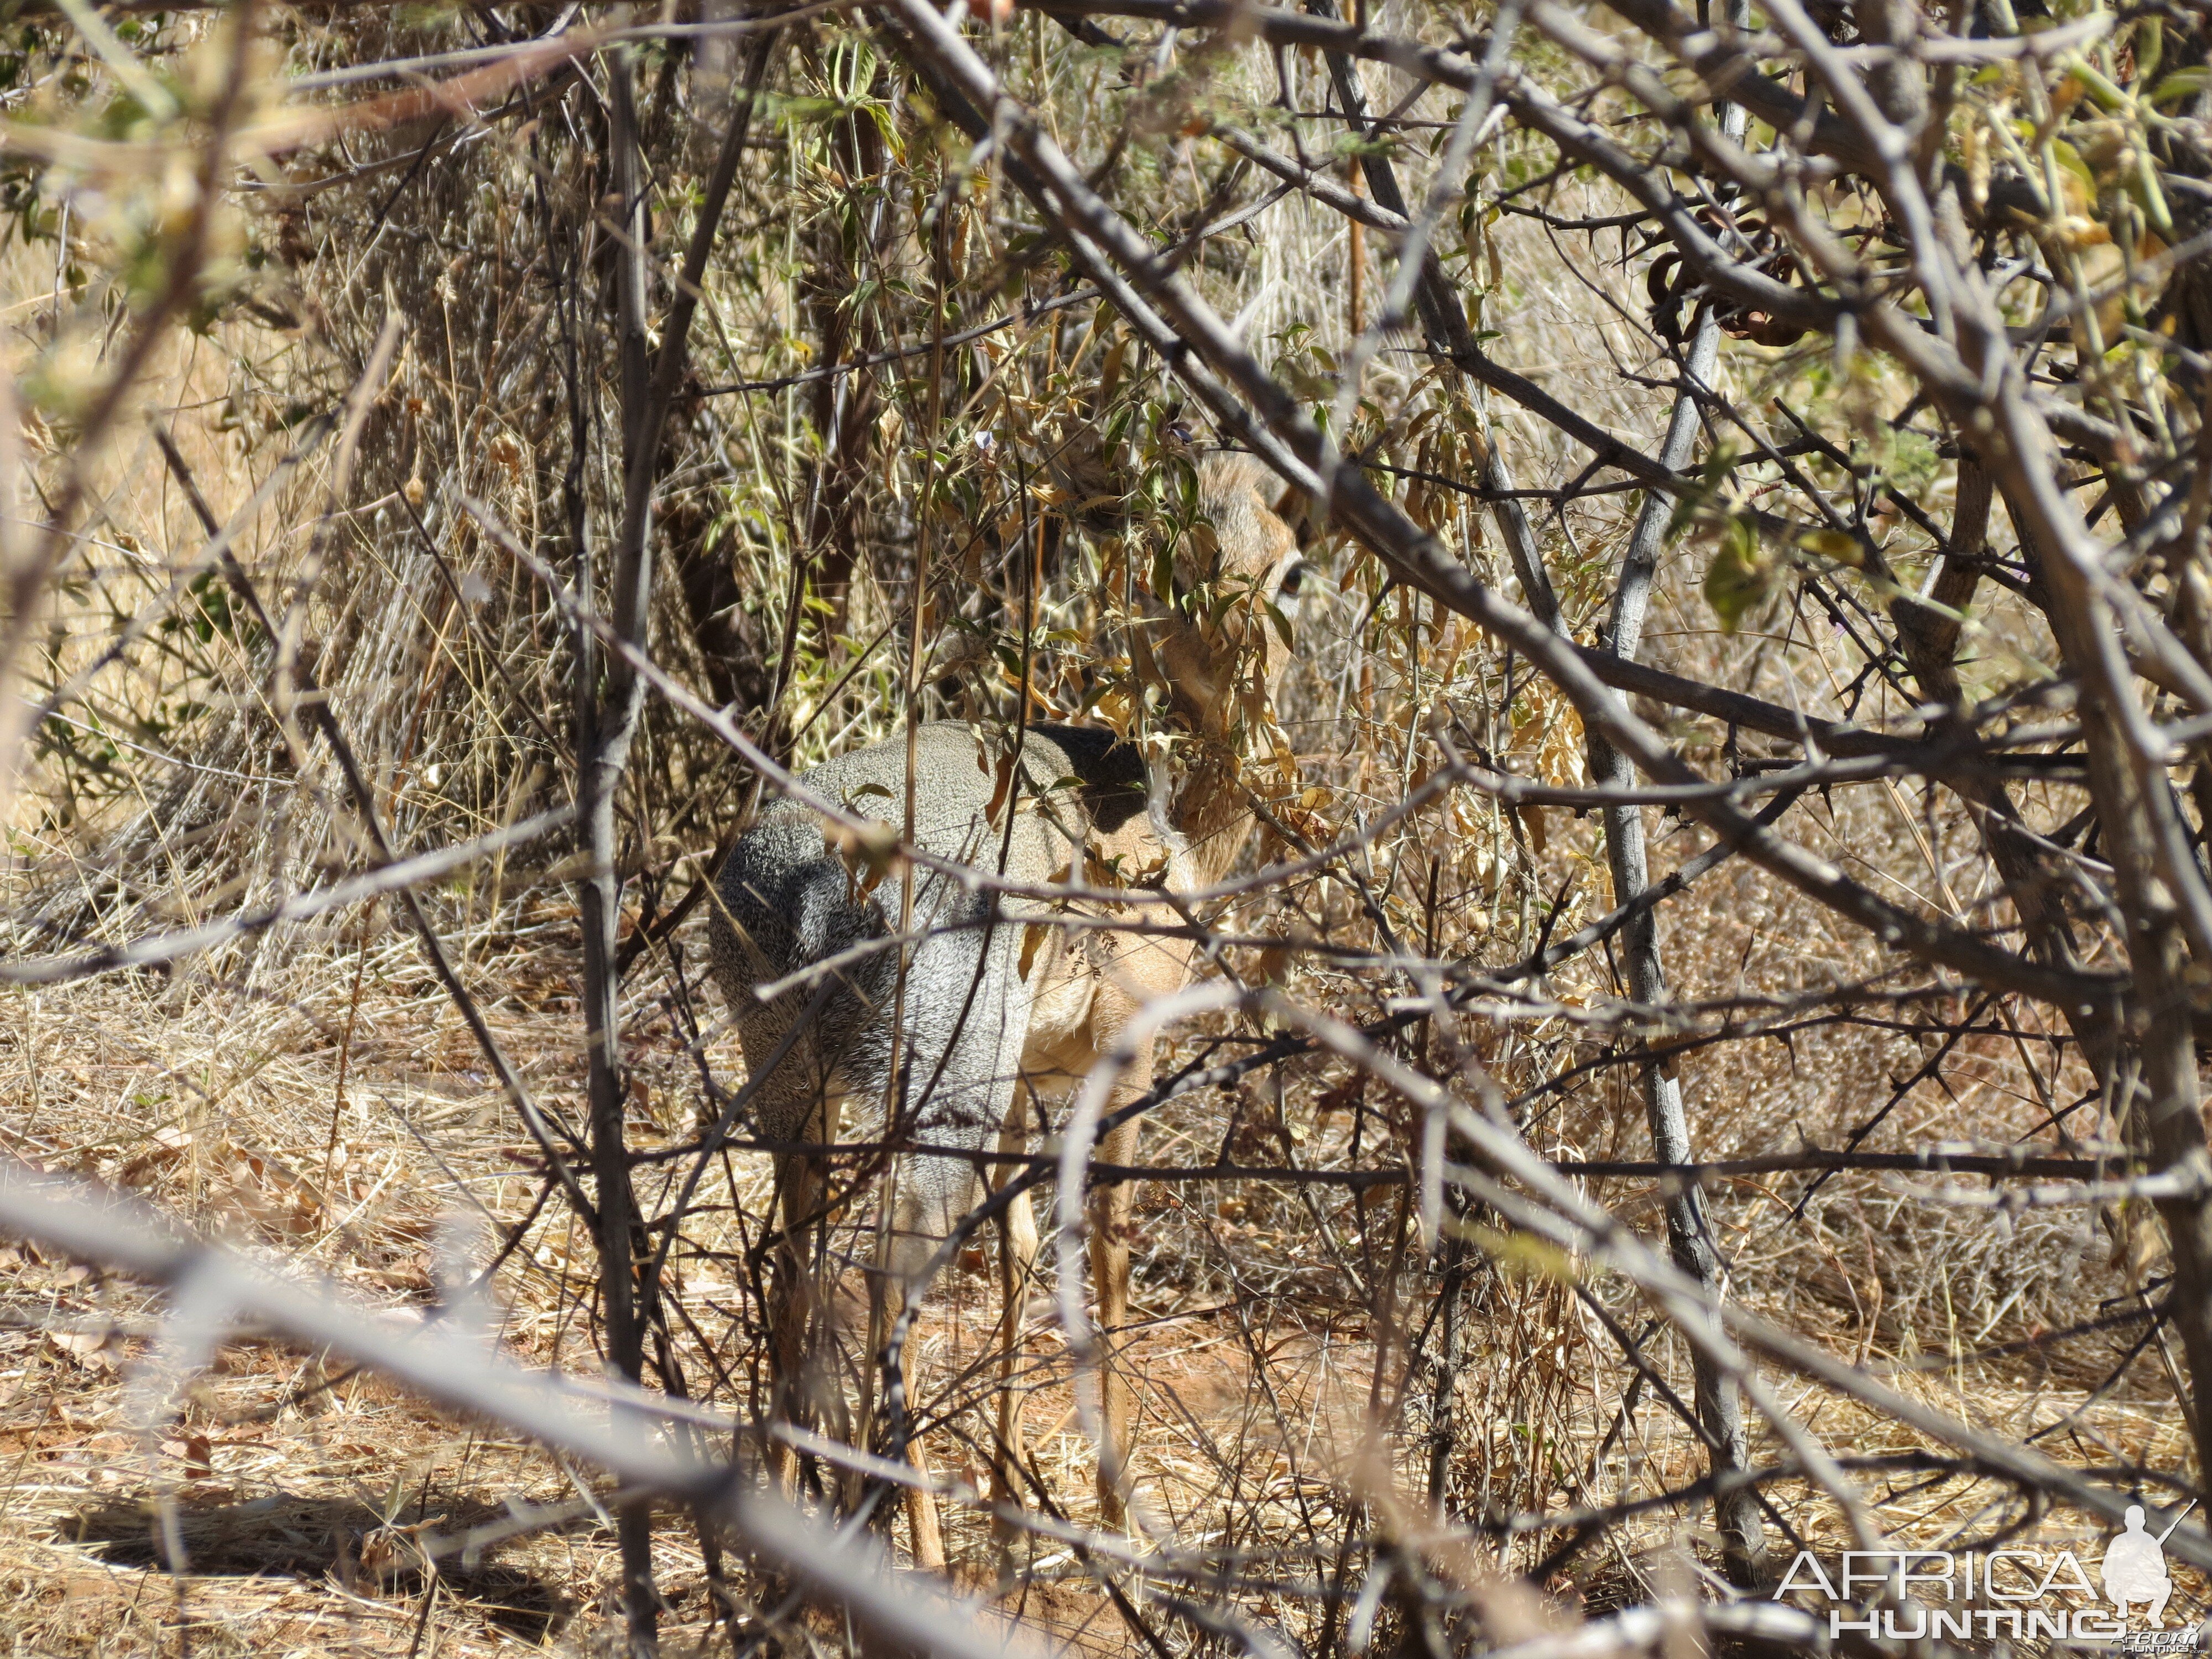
304, 1502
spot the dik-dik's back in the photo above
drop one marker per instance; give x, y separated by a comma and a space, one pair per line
790, 899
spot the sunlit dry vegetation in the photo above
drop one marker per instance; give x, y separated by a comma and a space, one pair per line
1701, 1057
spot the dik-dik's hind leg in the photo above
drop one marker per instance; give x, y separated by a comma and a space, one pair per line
969, 1015
799, 1186
925, 1533
802, 1393
886, 1296
922, 1524
1109, 1212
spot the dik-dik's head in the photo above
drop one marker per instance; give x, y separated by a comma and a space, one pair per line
1210, 643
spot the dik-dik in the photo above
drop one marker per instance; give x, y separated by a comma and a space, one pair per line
1000, 1006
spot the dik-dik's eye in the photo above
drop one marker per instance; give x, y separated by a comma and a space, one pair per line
1294, 578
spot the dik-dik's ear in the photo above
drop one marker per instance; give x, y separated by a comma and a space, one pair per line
1084, 472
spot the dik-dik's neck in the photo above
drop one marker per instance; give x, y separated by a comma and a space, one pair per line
1197, 803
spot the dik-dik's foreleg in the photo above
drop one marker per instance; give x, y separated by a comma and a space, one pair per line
1133, 982
1017, 1252
1110, 1209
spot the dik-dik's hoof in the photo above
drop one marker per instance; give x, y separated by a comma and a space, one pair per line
1114, 1503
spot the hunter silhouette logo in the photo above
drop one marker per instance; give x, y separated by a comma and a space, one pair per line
2135, 1566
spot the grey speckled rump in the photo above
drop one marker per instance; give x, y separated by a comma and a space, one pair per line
790, 898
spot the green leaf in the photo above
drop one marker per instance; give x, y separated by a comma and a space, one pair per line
2182, 83
1739, 577
1837, 544
2071, 159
